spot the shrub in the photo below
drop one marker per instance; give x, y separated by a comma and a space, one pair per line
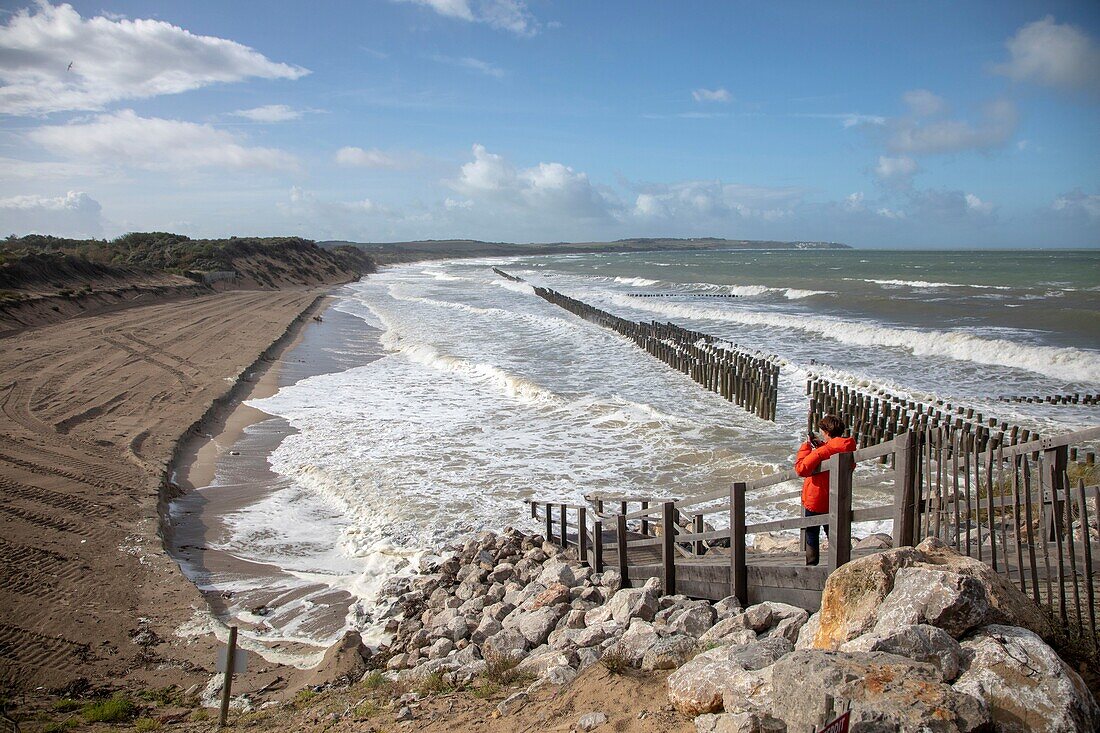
66, 705
374, 680
435, 683
116, 710
303, 696
146, 724
500, 667
616, 659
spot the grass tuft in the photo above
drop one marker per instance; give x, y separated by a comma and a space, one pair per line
616, 659
116, 710
147, 724
500, 667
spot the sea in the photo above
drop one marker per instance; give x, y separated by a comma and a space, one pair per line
478, 394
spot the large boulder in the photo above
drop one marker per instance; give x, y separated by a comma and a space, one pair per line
854, 593
886, 692
669, 652
921, 643
631, 603
738, 676
1024, 682
738, 723
536, 625
345, 661
949, 601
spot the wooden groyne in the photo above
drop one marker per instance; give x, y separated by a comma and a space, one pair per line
682, 295
506, 276
1058, 399
749, 380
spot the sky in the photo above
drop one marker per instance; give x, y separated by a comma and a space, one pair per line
876, 124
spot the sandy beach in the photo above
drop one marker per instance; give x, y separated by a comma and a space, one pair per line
93, 410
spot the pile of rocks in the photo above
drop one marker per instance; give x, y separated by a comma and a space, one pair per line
911, 638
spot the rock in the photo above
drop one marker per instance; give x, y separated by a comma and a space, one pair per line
727, 607
877, 541
694, 621
554, 594
730, 630
586, 658
767, 615
397, 662
572, 620
441, 648
591, 721
955, 603
921, 643
771, 542
405, 713
638, 639
344, 662
502, 573
556, 572
887, 692
559, 675
669, 652
512, 703
808, 632
498, 611
596, 633
506, 641
738, 723
537, 625
612, 580
1024, 682
488, 627
738, 674
631, 603
597, 615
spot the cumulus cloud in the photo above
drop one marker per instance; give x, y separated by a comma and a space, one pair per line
847, 119
269, 113
124, 138
1079, 203
1054, 55
549, 189
924, 103
896, 171
76, 214
715, 200
507, 15
938, 205
353, 157
712, 95
112, 60
914, 136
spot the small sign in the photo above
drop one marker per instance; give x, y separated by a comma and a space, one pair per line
240, 660
840, 725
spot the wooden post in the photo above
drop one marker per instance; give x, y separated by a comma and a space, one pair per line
697, 527
905, 456
645, 519
564, 536
549, 523
739, 575
597, 545
227, 685
582, 535
534, 510
840, 509
668, 546
620, 542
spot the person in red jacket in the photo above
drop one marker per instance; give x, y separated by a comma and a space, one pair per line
815, 489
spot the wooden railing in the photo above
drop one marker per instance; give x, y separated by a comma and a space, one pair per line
1014, 507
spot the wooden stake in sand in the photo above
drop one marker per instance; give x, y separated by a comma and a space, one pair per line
231, 664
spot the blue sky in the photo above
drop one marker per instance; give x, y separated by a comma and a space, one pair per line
877, 124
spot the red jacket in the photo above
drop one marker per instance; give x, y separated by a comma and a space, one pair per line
815, 490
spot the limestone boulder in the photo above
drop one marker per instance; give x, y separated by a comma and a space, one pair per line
1025, 683
949, 601
632, 603
877, 541
507, 641
535, 626
637, 640
554, 594
808, 632
732, 630
921, 643
738, 723
693, 621
557, 572
737, 676
886, 692
669, 652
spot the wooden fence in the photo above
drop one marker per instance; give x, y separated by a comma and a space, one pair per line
749, 380
1024, 509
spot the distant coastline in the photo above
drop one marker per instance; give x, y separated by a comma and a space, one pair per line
430, 249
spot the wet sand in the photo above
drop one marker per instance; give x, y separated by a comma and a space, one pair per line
226, 470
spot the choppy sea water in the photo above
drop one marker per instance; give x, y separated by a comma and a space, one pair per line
487, 394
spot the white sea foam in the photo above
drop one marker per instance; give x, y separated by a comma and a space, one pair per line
926, 284
638, 282
796, 294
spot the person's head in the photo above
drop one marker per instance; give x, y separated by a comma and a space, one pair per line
832, 426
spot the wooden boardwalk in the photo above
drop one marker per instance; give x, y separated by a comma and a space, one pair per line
1023, 509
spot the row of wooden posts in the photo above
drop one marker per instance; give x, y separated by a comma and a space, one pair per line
749, 380
1017, 508
1056, 399
683, 295
507, 276
876, 415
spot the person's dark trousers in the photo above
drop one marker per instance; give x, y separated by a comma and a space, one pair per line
813, 537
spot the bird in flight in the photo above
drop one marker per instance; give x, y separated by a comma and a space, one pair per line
70, 68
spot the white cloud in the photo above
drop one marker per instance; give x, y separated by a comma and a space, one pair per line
353, 157
847, 119
1050, 54
76, 214
547, 189
715, 200
888, 213
712, 95
939, 205
508, 15
975, 204
124, 138
853, 201
908, 135
269, 113
897, 171
1078, 202
113, 60
924, 103
468, 62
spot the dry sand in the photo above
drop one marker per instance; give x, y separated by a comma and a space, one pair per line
91, 413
